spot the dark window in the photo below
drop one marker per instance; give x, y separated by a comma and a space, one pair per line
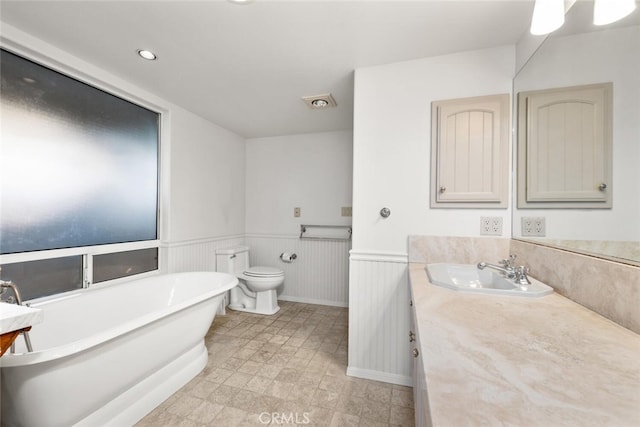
44, 277
123, 264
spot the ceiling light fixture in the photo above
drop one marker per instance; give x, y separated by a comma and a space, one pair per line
241, 1
320, 102
548, 16
609, 11
147, 54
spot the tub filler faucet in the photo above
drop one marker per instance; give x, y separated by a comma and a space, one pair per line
509, 270
17, 299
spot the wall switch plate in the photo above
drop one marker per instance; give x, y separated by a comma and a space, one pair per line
346, 211
533, 226
491, 226
296, 212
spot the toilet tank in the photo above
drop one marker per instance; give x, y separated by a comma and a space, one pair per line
233, 260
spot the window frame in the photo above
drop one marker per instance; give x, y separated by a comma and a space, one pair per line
125, 91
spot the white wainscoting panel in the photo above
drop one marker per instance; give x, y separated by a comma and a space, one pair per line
379, 315
319, 274
196, 255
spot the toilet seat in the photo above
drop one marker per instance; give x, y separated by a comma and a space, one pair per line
259, 271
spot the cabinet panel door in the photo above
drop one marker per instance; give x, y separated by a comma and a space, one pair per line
566, 144
470, 152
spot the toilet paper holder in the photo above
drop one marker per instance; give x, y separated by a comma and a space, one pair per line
288, 257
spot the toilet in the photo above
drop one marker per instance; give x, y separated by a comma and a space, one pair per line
256, 290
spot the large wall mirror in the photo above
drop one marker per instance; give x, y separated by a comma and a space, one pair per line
582, 54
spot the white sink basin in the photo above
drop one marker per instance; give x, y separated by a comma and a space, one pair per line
468, 278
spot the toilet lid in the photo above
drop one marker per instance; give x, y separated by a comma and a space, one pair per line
259, 271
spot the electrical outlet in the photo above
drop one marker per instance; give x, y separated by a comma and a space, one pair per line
533, 226
296, 212
346, 211
491, 226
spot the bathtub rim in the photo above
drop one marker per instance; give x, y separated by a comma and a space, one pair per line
9, 360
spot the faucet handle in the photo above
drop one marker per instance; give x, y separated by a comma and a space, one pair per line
521, 275
509, 262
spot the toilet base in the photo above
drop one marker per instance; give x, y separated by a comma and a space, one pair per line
265, 302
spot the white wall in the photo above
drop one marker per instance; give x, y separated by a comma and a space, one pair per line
392, 137
310, 171
207, 179
597, 57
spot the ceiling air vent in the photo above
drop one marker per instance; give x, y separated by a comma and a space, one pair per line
320, 102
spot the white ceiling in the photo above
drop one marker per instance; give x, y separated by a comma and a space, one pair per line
245, 67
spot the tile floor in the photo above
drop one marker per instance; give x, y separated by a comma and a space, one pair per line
286, 369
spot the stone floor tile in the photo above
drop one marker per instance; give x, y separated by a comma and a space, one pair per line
205, 412
250, 367
278, 389
219, 375
402, 397
401, 416
258, 384
223, 395
290, 367
229, 417
269, 371
238, 379
344, 420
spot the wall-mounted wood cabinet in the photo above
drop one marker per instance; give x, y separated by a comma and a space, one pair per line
470, 152
564, 147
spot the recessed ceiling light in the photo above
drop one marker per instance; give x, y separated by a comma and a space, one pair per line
320, 102
147, 54
241, 1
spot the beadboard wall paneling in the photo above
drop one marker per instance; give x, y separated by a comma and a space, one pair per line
319, 274
196, 255
379, 318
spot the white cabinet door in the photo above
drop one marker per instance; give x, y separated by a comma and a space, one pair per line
565, 147
470, 152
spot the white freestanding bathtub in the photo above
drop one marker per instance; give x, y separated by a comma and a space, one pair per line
109, 355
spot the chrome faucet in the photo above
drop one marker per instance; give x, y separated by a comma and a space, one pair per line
509, 270
506, 268
15, 298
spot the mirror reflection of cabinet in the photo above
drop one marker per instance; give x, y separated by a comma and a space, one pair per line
564, 147
470, 152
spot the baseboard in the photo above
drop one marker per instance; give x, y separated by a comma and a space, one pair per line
313, 301
385, 377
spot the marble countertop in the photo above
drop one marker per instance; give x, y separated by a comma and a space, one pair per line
14, 317
504, 360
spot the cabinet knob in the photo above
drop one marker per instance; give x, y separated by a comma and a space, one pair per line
412, 336
443, 189
410, 303
385, 212
415, 352
602, 187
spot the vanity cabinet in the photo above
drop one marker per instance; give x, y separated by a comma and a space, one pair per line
470, 152
420, 401
564, 147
